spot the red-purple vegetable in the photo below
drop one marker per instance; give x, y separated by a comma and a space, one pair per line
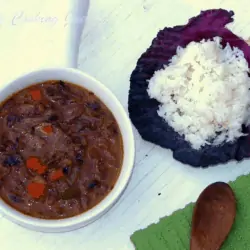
143, 110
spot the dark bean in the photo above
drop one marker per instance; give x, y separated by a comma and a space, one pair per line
62, 84
53, 118
12, 160
15, 198
66, 170
79, 157
93, 184
33, 130
63, 87
12, 119
94, 106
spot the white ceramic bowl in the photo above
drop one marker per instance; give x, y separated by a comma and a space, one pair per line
81, 79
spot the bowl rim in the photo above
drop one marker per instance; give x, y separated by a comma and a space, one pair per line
123, 179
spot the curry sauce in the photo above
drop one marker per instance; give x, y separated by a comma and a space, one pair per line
61, 150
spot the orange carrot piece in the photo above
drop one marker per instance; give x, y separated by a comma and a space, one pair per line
34, 164
56, 175
36, 190
48, 129
36, 94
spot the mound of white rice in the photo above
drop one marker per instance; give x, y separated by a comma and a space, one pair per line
204, 92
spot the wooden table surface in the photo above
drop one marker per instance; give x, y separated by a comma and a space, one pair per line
116, 34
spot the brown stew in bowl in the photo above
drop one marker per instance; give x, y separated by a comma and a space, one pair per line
61, 150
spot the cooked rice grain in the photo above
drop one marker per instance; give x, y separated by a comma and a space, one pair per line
204, 92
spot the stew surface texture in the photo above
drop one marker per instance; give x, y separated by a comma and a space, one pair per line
61, 150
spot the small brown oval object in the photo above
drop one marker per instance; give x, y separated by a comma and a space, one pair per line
213, 217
